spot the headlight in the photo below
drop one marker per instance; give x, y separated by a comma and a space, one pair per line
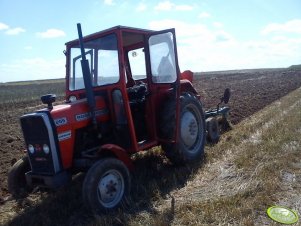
30, 148
72, 98
46, 149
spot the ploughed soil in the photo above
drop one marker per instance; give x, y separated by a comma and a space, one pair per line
251, 90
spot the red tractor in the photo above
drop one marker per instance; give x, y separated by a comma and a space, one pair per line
124, 94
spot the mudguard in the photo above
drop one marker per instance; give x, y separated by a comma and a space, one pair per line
186, 87
118, 152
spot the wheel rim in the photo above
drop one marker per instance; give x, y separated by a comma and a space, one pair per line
110, 188
190, 128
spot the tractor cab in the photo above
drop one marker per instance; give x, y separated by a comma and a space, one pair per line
135, 71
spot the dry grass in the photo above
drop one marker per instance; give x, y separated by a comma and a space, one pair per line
254, 166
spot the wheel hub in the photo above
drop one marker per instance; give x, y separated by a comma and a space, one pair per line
189, 129
110, 189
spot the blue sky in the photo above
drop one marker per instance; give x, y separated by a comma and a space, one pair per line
211, 34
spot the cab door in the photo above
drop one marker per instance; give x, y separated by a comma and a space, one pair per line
163, 75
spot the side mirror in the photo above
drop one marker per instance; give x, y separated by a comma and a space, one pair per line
226, 96
48, 99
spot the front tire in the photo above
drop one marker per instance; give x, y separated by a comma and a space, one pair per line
192, 131
106, 185
16, 181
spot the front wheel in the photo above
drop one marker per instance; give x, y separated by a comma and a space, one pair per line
106, 185
192, 131
16, 181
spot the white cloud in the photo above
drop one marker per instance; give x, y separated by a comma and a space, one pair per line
203, 48
279, 38
183, 7
3, 26
14, 31
141, 7
108, 2
217, 25
164, 6
51, 33
204, 15
185, 30
11, 31
168, 5
222, 36
292, 26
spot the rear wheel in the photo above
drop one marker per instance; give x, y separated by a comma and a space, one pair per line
16, 181
106, 185
190, 147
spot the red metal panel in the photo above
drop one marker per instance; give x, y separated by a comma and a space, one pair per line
72, 116
119, 152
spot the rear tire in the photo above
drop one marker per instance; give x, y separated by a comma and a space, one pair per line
106, 186
192, 131
16, 181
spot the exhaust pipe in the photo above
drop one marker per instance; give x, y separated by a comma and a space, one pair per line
87, 76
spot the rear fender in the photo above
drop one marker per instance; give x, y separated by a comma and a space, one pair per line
188, 75
186, 87
118, 152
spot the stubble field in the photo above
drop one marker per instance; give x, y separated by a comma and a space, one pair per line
251, 91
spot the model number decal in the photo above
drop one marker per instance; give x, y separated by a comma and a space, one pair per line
84, 116
65, 135
60, 121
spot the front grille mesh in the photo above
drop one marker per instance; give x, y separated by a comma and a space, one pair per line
36, 133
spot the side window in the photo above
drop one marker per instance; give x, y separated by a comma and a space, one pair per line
162, 58
137, 63
108, 67
76, 80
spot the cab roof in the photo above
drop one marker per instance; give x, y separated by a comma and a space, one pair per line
131, 30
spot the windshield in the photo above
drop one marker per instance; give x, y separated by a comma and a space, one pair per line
102, 55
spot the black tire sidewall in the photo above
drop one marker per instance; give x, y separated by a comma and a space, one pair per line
178, 153
186, 101
16, 181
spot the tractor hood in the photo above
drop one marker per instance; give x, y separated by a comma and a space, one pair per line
77, 114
